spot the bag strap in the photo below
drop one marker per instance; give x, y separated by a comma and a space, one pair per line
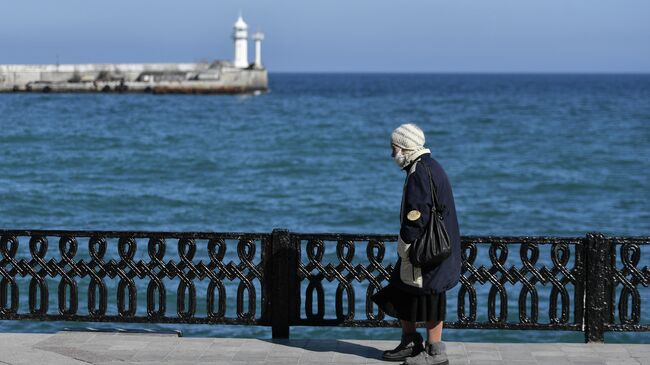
434, 192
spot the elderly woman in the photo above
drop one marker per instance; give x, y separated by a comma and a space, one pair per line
417, 294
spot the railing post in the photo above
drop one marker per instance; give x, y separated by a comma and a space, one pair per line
283, 282
598, 278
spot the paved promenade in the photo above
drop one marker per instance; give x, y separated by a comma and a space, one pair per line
122, 348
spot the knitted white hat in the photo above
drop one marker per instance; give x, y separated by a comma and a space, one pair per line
408, 136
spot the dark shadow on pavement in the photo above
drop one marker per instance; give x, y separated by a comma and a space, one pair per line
348, 347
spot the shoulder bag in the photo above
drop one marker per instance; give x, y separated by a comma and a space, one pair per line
433, 247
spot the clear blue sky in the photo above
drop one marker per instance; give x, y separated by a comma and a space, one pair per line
339, 35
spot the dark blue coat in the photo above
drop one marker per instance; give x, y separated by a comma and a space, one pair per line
417, 197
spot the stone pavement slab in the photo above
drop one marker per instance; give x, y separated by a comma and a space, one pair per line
130, 348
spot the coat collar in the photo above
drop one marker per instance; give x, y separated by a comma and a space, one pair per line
407, 168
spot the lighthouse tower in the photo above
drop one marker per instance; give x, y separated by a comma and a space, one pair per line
240, 35
258, 37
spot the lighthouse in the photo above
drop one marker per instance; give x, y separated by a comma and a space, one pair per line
240, 35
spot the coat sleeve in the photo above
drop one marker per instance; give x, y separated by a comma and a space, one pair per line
417, 205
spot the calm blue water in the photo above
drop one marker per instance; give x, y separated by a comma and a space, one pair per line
526, 155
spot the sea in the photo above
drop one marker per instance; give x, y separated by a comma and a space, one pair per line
526, 155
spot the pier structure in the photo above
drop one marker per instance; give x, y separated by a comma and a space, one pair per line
219, 76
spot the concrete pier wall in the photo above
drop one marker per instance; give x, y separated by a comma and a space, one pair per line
216, 77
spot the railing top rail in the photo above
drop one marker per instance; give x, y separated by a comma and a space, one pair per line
305, 236
639, 240
345, 236
301, 235
521, 239
474, 239
132, 234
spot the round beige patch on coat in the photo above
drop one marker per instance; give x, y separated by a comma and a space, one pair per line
413, 215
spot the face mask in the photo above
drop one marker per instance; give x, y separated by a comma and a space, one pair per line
400, 159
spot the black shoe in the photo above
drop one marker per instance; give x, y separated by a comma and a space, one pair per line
433, 354
410, 345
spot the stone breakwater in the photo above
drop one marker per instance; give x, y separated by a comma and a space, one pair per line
159, 78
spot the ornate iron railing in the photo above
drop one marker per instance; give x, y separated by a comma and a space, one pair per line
485, 266
282, 279
113, 263
625, 276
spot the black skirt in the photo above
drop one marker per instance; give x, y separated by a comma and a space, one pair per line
411, 307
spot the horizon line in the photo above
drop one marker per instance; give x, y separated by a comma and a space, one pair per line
418, 72
469, 72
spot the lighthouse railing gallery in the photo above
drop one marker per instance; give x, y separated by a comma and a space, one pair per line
591, 284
